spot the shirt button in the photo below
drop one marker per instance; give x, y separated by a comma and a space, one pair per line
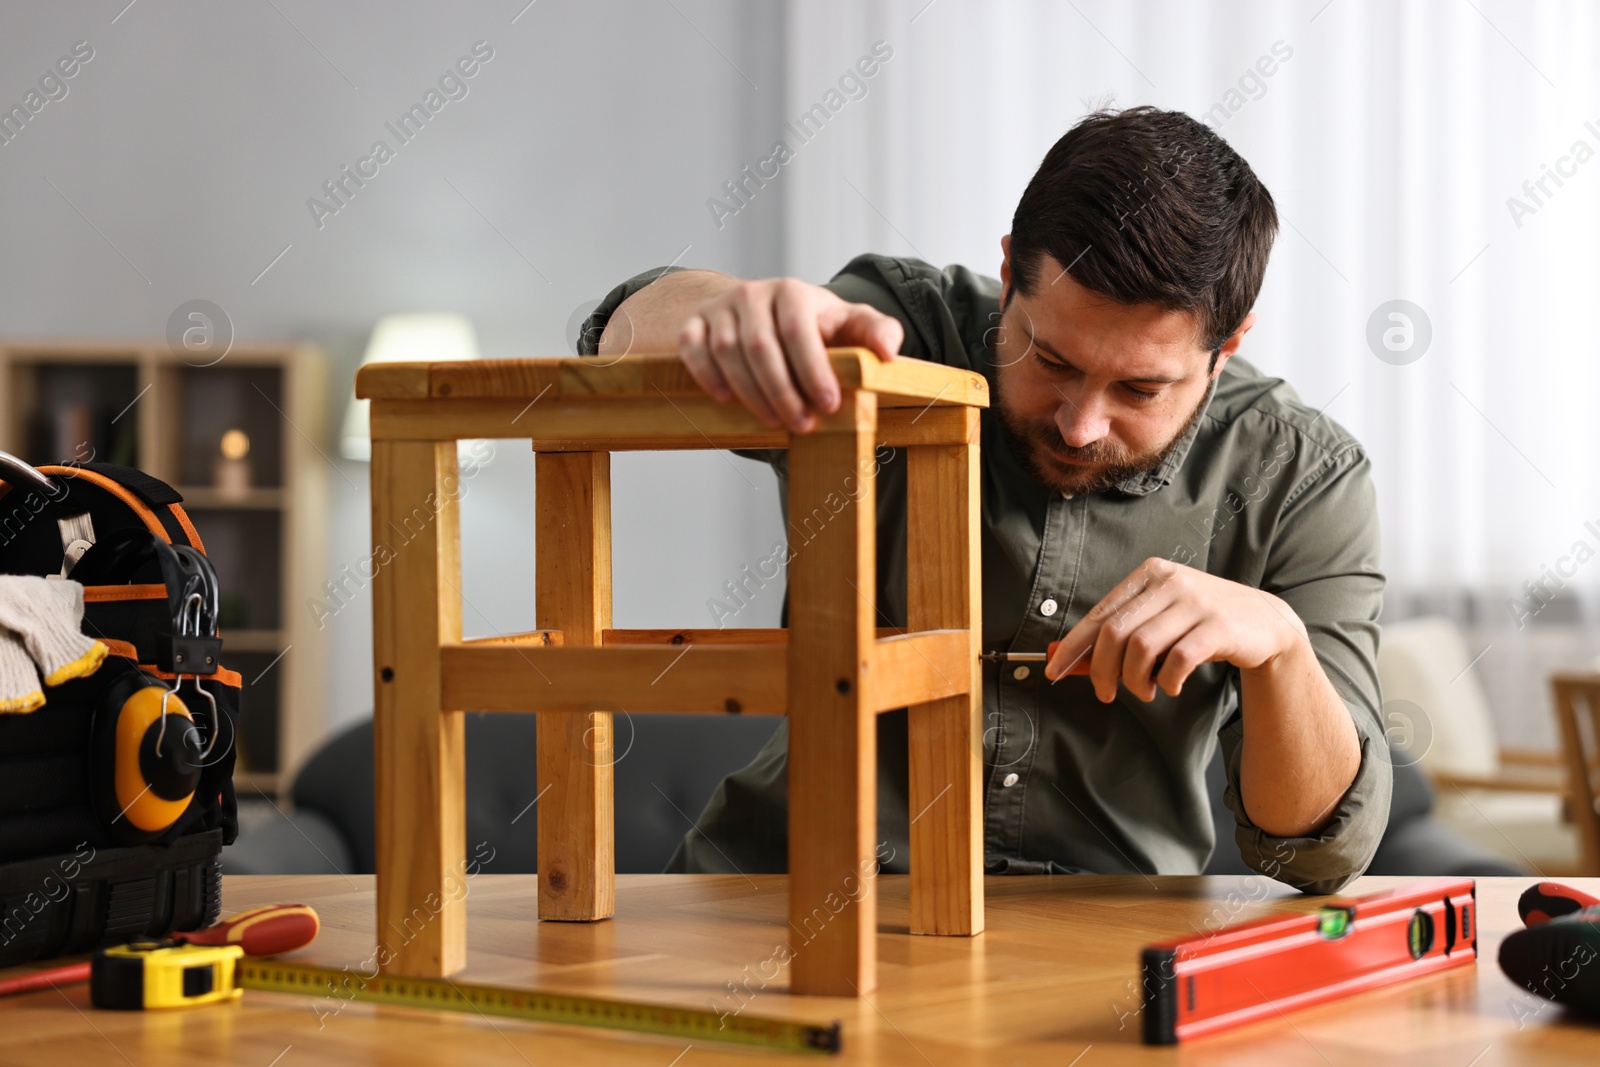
1048, 608
1009, 780
1066, 496
1020, 673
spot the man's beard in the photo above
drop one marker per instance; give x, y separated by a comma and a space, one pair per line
1105, 464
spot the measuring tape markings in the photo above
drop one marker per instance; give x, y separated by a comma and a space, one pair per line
304, 979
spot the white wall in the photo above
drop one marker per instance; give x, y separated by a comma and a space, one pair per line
589, 143
1393, 138
587, 148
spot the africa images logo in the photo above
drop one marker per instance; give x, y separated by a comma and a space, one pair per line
853, 85
342, 188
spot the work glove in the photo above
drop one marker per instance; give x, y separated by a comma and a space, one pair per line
19, 681
47, 615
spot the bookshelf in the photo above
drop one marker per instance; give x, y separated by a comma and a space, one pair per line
138, 404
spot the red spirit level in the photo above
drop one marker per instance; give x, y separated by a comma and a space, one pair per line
1198, 985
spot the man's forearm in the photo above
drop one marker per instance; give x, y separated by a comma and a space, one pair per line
649, 320
1301, 750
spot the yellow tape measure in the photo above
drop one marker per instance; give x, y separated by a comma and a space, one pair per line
163, 974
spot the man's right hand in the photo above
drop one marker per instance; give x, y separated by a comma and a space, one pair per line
764, 342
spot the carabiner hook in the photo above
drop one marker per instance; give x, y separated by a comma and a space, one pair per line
183, 616
216, 718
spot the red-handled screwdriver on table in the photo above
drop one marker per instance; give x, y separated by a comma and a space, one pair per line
269, 930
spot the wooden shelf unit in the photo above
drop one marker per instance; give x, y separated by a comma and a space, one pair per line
136, 403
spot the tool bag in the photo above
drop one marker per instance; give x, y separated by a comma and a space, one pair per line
116, 796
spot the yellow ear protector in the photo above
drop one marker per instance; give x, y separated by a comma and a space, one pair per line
148, 751
147, 756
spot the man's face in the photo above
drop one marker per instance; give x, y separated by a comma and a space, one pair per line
1090, 391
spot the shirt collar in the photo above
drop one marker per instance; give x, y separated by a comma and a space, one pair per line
1156, 477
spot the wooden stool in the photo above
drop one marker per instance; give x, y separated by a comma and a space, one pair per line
832, 671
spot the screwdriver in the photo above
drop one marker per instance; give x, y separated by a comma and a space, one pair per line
265, 931
1022, 657
1081, 666
1078, 666
269, 930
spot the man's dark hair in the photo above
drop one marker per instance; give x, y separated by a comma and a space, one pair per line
1149, 206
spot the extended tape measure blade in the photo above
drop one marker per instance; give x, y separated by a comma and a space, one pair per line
533, 1006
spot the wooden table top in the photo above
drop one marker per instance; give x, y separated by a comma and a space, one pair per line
1053, 980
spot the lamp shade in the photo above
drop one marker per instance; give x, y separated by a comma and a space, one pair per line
412, 337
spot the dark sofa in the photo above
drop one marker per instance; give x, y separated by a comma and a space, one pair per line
666, 769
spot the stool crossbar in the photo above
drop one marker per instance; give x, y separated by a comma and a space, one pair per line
832, 670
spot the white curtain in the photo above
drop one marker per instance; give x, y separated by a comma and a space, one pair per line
1392, 137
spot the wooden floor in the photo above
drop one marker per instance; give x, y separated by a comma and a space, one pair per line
1051, 981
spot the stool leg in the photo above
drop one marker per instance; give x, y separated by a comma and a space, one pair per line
418, 744
832, 767
944, 591
577, 824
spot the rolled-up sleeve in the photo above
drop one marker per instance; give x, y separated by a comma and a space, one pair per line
595, 324
1325, 564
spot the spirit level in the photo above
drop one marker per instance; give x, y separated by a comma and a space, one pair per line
1198, 985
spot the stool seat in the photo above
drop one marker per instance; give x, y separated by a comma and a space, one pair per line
832, 670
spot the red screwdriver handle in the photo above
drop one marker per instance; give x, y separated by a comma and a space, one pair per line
1080, 667
265, 931
270, 930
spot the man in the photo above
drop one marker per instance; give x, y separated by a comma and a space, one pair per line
1204, 544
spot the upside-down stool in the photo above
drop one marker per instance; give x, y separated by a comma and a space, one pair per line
832, 670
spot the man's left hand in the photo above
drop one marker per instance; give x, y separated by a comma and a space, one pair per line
1165, 619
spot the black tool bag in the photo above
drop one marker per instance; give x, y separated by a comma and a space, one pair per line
116, 796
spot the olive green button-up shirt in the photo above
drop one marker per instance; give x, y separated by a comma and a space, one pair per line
1262, 490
